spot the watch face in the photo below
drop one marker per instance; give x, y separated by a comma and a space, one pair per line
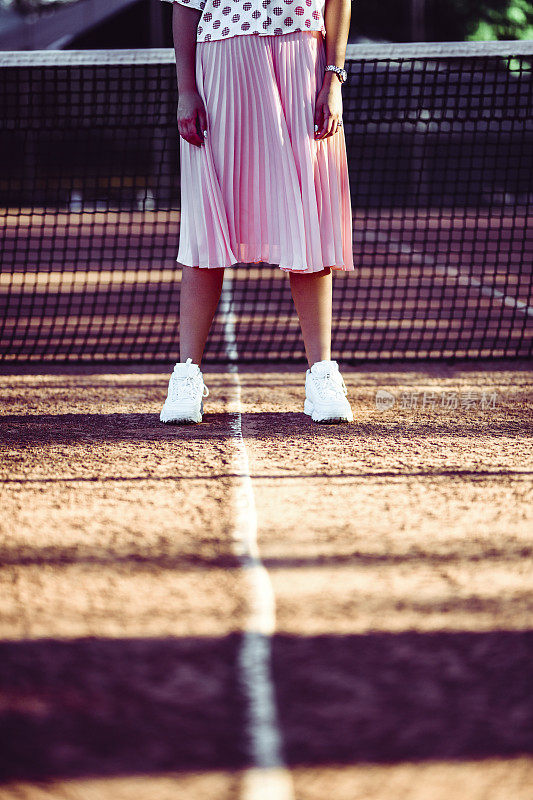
341, 73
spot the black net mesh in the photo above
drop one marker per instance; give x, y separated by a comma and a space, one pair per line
440, 150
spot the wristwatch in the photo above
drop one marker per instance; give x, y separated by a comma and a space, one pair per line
341, 73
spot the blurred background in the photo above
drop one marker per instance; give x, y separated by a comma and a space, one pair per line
87, 24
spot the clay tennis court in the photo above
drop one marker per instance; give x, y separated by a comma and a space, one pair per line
100, 286
259, 607
399, 552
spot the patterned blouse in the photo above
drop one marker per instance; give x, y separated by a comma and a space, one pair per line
222, 19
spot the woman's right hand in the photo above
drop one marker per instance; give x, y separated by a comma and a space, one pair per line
192, 118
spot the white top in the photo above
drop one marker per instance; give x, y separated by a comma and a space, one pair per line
222, 19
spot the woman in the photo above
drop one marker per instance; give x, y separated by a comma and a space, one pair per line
264, 174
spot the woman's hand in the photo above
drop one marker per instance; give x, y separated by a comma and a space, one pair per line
328, 107
192, 118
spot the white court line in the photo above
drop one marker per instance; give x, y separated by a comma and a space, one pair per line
444, 269
268, 778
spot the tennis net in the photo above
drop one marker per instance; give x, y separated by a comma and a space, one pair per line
440, 149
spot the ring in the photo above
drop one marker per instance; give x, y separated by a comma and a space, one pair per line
339, 123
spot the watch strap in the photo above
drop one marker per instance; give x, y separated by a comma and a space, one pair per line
338, 70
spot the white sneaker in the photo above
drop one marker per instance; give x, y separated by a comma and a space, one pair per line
325, 394
186, 390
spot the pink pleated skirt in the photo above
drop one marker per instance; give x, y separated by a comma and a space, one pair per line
261, 188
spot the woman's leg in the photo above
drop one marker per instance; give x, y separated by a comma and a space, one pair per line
312, 295
199, 296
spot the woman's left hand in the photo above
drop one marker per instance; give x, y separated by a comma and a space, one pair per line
328, 108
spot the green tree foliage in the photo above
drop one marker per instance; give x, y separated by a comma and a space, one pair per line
484, 20
445, 20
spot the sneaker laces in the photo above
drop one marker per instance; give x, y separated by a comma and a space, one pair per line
328, 387
185, 387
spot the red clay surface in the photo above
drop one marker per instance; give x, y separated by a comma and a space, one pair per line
399, 548
428, 282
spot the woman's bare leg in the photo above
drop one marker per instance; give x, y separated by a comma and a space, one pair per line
312, 295
199, 295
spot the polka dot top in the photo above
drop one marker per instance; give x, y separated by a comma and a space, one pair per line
224, 18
